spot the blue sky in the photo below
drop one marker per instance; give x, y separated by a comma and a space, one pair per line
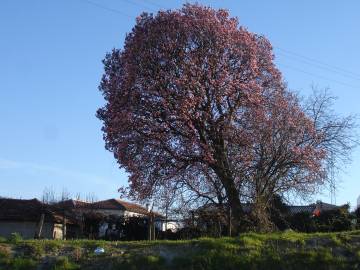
50, 68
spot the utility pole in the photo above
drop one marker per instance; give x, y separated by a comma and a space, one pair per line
151, 227
230, 223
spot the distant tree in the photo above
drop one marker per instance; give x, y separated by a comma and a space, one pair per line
65, 195
302, 222
196, 101
91, 198
48, 196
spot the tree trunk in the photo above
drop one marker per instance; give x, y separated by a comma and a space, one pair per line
222, 170
230, 222
233, 199
235, 205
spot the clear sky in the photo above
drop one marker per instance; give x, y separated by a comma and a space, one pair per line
50, 68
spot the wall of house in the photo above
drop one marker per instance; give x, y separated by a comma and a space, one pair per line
57, 231
132, 214
26, 229
109, 212
170, 225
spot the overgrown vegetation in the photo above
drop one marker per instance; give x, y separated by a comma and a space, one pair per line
287, 250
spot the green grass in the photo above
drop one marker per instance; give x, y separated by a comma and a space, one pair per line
288, 250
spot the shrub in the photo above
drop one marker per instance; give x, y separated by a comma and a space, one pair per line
277, 212
77, 253
302, 222
333, 220
4, 252
31, 249
20, 263
328, 221
52, 246
5, 255
15, 237
63, 263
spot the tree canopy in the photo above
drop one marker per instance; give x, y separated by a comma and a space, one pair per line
195, 104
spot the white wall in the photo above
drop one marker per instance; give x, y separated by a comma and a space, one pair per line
171, 225
27, 229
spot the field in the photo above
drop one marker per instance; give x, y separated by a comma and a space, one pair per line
249, 251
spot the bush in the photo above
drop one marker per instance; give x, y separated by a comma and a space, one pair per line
126, 228
277, 212
302, 222
334, 221
20, 263
31, 249
328, 221
63, 263
5, 255
15, 238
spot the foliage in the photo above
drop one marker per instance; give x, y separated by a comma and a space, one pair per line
357, 218
63, 263
127, 228
288, 250
33, 250
328, 221
357, 212
334, 220
278, 211
302, 222
15, 238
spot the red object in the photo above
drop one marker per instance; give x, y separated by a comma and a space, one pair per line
316, 212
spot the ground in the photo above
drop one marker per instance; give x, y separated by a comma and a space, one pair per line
249, 251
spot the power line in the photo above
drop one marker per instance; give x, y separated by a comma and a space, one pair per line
318, 62
152, 3
321, 67
106, 8
137, 5
320, 76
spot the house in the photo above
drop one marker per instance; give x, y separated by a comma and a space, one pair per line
98, 219
31, 219
71, 219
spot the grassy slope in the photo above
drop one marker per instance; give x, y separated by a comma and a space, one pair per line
249, 251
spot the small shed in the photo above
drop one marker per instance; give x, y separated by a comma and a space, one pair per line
29, 218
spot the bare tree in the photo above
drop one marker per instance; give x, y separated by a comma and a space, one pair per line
91, 198
48, 195
278, 168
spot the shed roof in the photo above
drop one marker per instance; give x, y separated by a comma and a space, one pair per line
116, 204
26, 210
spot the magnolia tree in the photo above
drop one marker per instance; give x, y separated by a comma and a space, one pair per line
195, 104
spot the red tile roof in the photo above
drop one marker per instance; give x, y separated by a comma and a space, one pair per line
116, 204
26, 210
71, 204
